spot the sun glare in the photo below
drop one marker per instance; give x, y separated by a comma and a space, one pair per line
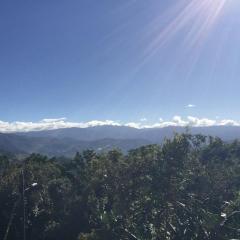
196, 18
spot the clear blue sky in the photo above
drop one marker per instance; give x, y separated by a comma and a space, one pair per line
104, 59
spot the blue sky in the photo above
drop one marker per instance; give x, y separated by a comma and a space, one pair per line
120, 60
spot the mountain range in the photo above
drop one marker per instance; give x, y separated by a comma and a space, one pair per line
67, 141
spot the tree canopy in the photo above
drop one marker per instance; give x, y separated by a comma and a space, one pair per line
186, 188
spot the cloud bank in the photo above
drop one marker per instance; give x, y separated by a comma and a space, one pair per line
58, 123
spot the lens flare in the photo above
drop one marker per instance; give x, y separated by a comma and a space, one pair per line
195, 19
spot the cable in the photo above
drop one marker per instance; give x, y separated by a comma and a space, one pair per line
24, 210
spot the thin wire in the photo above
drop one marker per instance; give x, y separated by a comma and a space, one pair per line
24, 211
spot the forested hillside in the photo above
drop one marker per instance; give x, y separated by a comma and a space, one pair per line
188, 188
67, 141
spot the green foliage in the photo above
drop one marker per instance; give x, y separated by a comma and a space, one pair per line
187, 188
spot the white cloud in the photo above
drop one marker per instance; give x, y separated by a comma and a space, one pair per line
179, 121
50, 124
201, 122
133, 125
190, 106
49, 120
101, 123
143, 119
228, 122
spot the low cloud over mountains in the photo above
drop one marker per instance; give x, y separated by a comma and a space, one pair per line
59, 123
67, 141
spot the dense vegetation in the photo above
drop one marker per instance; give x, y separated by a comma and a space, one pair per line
187, 188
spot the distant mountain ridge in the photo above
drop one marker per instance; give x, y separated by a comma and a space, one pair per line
122, 132
67, 141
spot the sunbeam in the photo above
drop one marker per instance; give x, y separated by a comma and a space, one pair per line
195, 19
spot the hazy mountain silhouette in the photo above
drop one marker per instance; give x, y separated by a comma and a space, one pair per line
68, 141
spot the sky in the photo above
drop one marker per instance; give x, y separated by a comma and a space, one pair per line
125, 62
